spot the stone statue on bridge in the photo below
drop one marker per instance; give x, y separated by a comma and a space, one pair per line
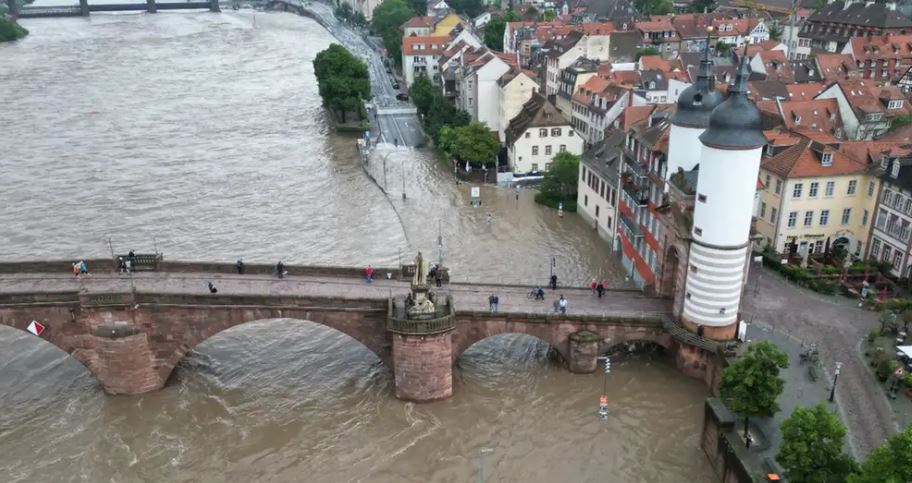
421, 270
421, 303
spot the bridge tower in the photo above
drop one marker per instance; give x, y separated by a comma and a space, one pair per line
151, 7
84, 8
726, 187
691, 118
214, 6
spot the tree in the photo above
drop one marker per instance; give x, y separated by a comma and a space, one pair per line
471, 8
343, 80
422, 93
473, 143
559, 183
10, 30
722, 48
494, 30
654, 7
344, 12
811, 449
417, 6
548, 16
646, 51
775, 31
387, 23
888, 463
700, 6
751, 384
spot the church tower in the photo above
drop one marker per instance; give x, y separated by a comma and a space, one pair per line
729, 165
691, 118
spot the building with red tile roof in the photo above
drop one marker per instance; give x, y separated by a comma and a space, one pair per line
883, 58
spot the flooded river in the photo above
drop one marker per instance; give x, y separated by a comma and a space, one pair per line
201, 135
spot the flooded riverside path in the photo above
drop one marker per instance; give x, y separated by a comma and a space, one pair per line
202, 135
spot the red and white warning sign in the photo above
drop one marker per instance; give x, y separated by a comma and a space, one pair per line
35, 328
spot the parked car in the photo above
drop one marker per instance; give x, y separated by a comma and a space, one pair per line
402, 97
395, 85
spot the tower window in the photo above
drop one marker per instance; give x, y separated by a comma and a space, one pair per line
688, 296
701, 198
722, 310
698, 231
693, 268
698, 100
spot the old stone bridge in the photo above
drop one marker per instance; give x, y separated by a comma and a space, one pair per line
131, 330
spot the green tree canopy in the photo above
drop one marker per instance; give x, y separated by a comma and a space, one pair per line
700, 6
654, 7
775, 30
559, 182
10, 30
811, 449
471, 8
343, 80
387, 23
891, 462
417, 6
548, 15
473, 143
646, 51
752, 384
423, 93
494, 30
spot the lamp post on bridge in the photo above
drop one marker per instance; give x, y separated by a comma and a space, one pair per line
835, 377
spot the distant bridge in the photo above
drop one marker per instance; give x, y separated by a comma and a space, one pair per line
131, 330
84, 8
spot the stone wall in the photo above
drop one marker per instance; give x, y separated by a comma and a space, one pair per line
423, 366
721, 445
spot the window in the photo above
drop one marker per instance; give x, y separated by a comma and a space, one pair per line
778, 186
596, 211
585, 200
864, 217
534, 150
563, 148
766, 185
826, 159
852, 185
528, 135
534, 166
828, 192
888, 197
570, 133
693, 268
875, 247
698, 231
773, 216
812, 190
908, 207
793, 219
547, 166
818, 246
555, 131
701, 198
824, 217
895, 104
583, 173
548, 150
808, 218
796, 190
543, 133
762, 209
846, 215
870, 188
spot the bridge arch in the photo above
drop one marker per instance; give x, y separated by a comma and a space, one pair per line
459, 348
470, 332
364, 326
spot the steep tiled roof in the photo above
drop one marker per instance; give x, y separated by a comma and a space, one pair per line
808, 91
871, 151
815, 115
865, 97
768, 89
776, 65
654, 62
420, 22
558, 47
596, 28
834, 67
804, 160
537, 112
861, 14
418, 45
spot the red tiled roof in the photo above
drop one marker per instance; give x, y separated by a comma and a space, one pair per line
420, 22
655, 62
596, 28
815, 115
423, 45
835, 67
807, 91
803, 160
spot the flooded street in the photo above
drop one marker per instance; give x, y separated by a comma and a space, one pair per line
202, 136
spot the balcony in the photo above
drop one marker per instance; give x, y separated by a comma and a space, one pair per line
631, 226
638, 193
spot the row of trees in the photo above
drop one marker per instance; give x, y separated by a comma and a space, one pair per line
812, 438
387, 23
344, 12
343, 81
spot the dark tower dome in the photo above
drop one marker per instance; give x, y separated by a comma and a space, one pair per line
736, 123
697, 101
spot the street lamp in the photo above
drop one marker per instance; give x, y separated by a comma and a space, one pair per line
481, 454
835, 377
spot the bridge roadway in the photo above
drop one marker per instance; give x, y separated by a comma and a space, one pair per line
466, 296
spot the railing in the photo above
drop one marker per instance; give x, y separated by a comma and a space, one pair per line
687, 337
401, 324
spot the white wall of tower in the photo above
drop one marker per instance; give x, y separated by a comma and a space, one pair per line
725, 195
684, 148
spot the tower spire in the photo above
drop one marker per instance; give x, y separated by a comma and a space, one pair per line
743, 74
706, 65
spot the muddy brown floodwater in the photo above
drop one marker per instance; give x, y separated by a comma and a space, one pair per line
202, 135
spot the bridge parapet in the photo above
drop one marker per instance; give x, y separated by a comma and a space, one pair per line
398, 323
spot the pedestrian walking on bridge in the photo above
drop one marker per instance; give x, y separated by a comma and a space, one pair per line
369, 274
239, 266
553, 282
212, 288
280, 269
600, 289
562, 302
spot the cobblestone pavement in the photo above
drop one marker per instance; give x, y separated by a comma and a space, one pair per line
838, 327
465, 296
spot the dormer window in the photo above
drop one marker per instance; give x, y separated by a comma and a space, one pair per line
698, 100
896, 104
826, 159
796, 118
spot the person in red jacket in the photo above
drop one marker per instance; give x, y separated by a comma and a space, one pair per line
369, 272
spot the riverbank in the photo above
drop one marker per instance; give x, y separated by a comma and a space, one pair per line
10, 30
